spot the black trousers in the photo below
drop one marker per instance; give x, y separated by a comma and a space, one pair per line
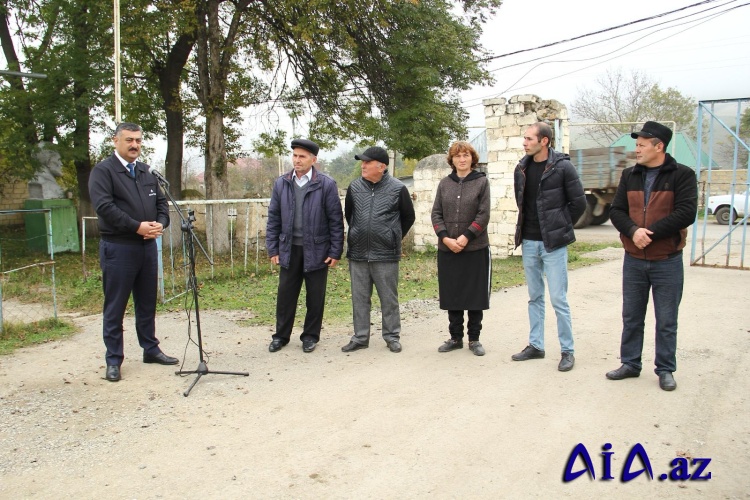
290, 285
473, 326
129, 269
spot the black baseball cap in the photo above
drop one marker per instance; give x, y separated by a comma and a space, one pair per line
373, 153
306, 145
654, 130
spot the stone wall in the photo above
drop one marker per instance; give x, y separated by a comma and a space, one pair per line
721, 181
427, 175
505, 120
12, 196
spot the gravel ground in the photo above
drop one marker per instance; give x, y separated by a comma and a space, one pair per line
373, 424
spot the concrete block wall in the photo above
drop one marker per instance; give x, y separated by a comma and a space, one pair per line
12, 196
427, 175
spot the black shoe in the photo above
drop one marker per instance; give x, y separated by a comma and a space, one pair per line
625, 371
113, 373
394, 346
529, 352
666, 381
476, 348
275, 345
353, 346
308, 345
160, 358
566, 362
451, 345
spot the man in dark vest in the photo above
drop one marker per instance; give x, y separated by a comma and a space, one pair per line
379, 213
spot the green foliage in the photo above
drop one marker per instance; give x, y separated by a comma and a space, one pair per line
344, 168
745, 124
271, 144
369, 70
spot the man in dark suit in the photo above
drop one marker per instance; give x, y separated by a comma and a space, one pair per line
132, 212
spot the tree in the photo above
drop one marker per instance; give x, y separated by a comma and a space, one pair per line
157, 43
370, 68
621, 97
71, 43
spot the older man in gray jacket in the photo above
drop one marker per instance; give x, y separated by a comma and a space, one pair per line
379, 212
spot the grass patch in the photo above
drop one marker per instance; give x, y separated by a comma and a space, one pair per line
17, 335
221, 288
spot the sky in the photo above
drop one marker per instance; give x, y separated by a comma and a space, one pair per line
705, 55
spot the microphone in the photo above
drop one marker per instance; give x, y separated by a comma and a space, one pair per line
158, 175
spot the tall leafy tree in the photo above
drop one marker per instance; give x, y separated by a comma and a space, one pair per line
157, 44
385, 70
71, 43
621, 97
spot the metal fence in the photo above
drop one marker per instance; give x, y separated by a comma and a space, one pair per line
23, 271
244, 222
729, 248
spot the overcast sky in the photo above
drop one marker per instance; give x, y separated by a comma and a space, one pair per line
702, 51
705, 55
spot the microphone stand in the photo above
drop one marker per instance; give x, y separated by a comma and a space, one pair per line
187, 228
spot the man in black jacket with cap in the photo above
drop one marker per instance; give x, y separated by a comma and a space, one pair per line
379, 212
655, 202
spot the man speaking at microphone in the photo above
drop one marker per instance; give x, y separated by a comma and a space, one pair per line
132, 212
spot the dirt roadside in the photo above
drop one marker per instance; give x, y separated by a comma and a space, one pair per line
374, 424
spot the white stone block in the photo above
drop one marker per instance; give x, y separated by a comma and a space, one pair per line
498, 144
509, 155
521, 98
527, 119
511, 131
507, 121
492, 122
494, 101
516, 142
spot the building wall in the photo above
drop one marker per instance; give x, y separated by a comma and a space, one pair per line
12, 196
505, 120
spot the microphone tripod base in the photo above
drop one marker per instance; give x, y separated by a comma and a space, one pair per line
203, 370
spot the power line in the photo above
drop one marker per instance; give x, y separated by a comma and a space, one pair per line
491, 58
610, 38
513, 86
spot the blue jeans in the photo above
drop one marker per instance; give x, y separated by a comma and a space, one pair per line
664, 279
537, 263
